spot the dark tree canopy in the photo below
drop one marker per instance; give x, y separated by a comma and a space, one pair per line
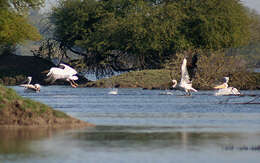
120, 35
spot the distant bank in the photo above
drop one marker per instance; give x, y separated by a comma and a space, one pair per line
15, 69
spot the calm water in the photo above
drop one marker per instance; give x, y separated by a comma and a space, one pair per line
140, 126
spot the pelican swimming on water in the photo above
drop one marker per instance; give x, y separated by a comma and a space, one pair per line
63, 72
166, 92
223, 89
31, 87
113, 91
185, 84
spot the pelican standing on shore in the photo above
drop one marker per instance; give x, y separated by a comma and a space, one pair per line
63, 72
223, 89
185, 84
31, 87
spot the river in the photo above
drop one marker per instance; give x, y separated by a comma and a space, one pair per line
140, 126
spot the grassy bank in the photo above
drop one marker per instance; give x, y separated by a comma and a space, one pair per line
208, 70
161, 79
16, 111
148, 79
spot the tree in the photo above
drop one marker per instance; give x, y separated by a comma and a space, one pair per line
14, 26
250, 52
146, 33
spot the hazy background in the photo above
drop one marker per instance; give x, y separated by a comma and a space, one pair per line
253, 4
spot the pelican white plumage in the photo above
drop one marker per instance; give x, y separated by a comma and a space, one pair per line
113, 91
166, 92
224, 90
227, 91
63, 72
185, 84
31, 87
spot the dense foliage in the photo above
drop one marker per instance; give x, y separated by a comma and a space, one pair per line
210, 70
250, 52
144, 33
14, 26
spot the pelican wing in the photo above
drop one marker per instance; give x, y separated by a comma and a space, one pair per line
69, 70
27, 86
58, 73
23, 85
30, 86
185, 79
227, 91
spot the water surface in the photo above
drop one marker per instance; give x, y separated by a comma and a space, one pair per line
140, 126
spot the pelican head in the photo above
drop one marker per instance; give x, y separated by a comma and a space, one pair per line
226, 79
174, 83
29, 79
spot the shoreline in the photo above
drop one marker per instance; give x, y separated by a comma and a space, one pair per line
19, 112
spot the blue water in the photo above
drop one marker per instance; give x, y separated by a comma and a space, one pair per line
140, 126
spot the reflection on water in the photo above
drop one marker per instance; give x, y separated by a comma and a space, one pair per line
16, 140
127, 144
138, 126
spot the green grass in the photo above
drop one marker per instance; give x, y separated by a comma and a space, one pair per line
8, 97
210, 70
59, 114
144, 79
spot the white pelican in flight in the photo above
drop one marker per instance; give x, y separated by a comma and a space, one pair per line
63, 72
185, 84
31, 87
223, 89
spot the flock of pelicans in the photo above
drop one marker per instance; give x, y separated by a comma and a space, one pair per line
66, 73
63, 72
186, 84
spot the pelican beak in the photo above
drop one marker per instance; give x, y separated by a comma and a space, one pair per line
220, 86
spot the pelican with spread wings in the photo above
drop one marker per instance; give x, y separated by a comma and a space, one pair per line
186, 83
31, 87
224, 89
63, 72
